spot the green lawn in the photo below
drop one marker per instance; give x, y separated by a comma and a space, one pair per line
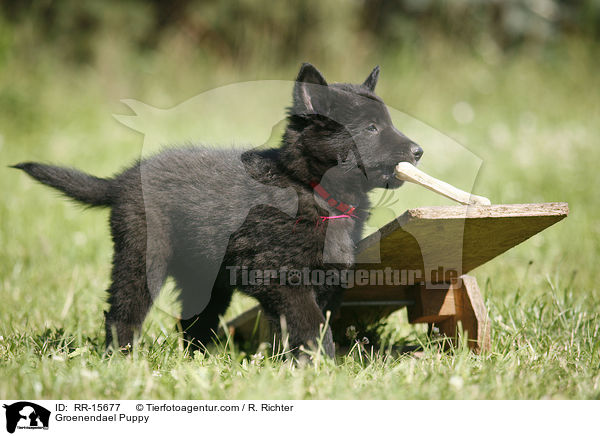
532, 118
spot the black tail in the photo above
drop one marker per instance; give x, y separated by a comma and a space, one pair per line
80, 186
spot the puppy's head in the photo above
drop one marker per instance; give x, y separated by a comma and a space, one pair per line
349, 126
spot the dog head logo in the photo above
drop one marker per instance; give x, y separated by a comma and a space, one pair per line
26, 415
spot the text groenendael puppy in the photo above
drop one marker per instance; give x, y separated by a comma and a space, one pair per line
178, 213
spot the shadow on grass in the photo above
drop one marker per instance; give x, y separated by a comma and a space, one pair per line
58, 341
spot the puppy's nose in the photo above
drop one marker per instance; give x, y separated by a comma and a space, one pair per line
416, 151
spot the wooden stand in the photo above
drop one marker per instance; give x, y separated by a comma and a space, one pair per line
460, 307
429, 250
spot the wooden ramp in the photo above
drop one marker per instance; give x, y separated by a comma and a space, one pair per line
419, 261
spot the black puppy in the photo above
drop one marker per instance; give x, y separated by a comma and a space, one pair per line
201, 215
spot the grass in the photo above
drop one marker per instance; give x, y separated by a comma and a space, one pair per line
533, 124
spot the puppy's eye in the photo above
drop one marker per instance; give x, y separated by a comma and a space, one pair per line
372, 128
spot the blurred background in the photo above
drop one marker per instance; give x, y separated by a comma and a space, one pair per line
514, 82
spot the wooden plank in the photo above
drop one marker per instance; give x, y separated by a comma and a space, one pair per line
438, 244
472, 305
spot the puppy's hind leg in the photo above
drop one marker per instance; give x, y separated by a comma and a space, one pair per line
139, 271
129, 300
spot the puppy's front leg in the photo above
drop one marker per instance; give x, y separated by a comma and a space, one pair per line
303, 318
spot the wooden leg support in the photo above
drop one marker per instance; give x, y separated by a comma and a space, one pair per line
445, 308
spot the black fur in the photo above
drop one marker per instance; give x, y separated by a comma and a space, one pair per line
177, 213
77, 185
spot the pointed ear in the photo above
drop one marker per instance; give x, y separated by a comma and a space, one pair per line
371, 81
307, 88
